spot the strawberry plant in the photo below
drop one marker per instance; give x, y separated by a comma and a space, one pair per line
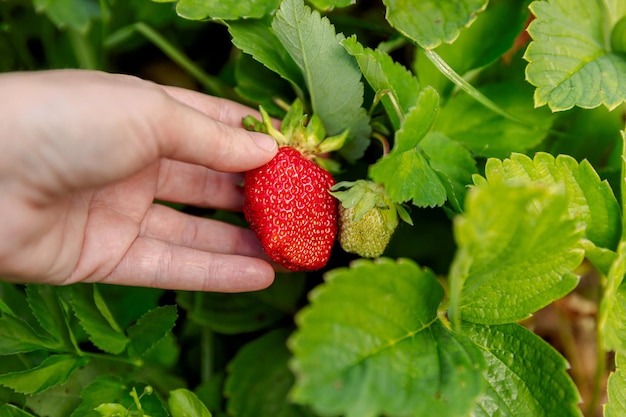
493, 129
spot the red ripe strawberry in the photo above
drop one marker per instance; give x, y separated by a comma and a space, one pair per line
290, 210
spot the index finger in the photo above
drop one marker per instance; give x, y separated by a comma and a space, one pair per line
221, 109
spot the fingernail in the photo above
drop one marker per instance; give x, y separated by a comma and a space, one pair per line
263, 141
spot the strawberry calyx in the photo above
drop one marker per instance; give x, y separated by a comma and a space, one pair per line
365, 195
302, 132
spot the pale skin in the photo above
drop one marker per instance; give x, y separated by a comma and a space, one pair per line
83, 157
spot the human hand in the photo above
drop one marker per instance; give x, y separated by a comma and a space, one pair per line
83, 156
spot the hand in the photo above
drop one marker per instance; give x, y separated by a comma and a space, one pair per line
83, 156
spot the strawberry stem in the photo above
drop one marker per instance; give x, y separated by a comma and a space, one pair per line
392, 99
383, 141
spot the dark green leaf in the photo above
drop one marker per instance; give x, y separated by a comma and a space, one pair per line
8, 410
431, 22
72, 14
331, 75
100, 331
126, 304
244, 312
16, 336
256, 38
524, 377
370, 343
105, 389
51, 315
54, 370
517, 248
486, 133
504, 17
150, 329
259, 380
62, 399
260, 85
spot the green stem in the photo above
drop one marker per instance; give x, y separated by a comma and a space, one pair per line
17, 40
392, 99
462, 83
384, 143
598, 379
207, 341
213, 85
113, 358
83, 50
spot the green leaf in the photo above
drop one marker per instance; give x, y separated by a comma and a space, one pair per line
184, 403
256, 38
8, 410
524, 377
258, 84
16, 336
612, 315
616, 406
328, 5
569, 60
211, 392
46, 307
332, 76
150, 329
111, 410
62, 399
72, 14
593, 134
101, 330
225, 9
259, 380
126, 304
418, 121
431, 22
397, 85
370, 343
104, 389
517, 248
590, 200
507, 18
406, 172
453, 163
244, 312
53, 370
490, 134
407, 176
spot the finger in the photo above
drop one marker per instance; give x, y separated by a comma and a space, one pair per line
155, 263
191, 136
223, 110
169, 225
198, 186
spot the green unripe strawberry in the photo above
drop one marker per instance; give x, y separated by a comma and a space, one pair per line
368, 236
367, 217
